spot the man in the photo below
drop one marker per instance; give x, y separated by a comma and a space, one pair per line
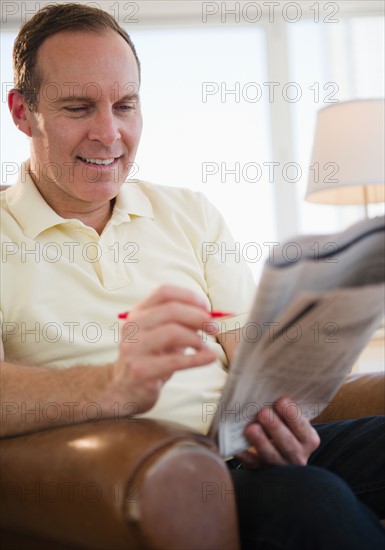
81, 246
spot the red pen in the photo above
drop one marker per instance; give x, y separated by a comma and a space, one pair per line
214, 314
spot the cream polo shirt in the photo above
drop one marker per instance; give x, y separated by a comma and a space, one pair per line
62, 284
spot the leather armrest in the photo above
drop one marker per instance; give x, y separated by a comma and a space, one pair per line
132, 483
360, 395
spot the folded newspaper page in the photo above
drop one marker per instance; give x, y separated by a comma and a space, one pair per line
318, 303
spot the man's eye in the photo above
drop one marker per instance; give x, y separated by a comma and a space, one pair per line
75, 109
126, 106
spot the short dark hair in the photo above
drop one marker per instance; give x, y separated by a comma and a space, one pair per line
50, 20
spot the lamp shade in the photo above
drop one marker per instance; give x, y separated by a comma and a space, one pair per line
347, 165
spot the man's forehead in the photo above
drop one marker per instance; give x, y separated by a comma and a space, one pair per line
81, 53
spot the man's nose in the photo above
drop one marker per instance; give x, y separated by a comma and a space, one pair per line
104, 128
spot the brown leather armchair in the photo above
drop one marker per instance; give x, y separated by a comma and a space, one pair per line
133, 484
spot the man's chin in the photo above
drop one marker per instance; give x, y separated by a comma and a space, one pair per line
98, 191
96, 178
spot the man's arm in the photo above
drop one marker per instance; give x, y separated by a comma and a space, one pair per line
167, 322
230, 342
34, 398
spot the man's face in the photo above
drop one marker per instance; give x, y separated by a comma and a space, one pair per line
86, 128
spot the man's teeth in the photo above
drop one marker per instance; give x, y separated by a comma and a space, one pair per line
104, 162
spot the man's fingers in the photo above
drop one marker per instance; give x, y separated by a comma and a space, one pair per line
268, 452
162, 367
186, 314
283, 439
138, 378
292, 415
163, 339
281, 435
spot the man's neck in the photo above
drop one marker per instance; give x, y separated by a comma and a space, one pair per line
95, 215
97, 218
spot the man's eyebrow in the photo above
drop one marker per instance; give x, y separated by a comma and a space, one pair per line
86, 99
129, 97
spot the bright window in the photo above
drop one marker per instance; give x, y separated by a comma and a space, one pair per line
200, 132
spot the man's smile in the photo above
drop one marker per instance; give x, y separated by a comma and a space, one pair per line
100, 162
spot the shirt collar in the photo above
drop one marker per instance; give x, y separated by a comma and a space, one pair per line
132, 201
35, 216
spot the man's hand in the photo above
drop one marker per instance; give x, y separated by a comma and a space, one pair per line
153, 343
278, 436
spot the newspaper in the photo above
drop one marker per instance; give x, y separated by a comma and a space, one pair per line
319, 301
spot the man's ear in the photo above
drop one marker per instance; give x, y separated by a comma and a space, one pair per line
19, 110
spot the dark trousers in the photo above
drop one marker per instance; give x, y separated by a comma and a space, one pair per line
333, 503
